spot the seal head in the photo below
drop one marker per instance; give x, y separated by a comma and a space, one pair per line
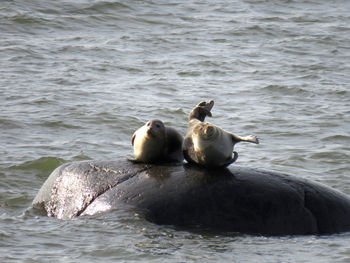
201, 110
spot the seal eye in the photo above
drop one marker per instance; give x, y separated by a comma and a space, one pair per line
148, 123
157, 125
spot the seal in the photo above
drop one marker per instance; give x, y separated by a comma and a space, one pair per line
208, 145
155, 143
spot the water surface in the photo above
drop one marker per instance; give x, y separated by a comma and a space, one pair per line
78, 77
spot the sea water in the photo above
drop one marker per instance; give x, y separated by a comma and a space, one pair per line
77, 78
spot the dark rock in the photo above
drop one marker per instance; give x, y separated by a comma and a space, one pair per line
235, 199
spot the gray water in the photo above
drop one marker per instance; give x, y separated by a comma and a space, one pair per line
78, 77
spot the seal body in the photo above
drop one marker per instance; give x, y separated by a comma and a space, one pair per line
212, 146
208, 145
155, 143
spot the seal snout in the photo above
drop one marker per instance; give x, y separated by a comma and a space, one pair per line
149, 131
154, 127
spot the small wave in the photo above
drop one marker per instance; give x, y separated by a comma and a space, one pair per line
25, 19
285, 90
189, 73
102, 7
6, 124
80, 157
306, 19
42, 166
339, 138
331, 157
58, 124
18, 201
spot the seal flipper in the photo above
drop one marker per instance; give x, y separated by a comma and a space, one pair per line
250, 138
133, 138
235, 156
133, 160
230, 160
188, 151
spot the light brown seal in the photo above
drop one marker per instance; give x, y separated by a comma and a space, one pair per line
208, 145
155, 143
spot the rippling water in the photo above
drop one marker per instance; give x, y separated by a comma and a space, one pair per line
78, 77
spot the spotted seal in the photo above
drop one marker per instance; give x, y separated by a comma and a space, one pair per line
208, 145
155, 143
